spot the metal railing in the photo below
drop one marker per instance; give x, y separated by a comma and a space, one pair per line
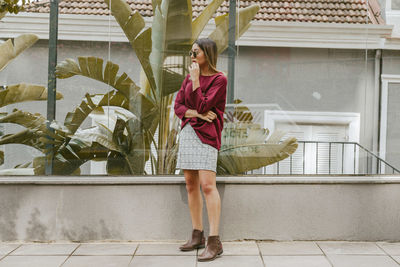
318, 157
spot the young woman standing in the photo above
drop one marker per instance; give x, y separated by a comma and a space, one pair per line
200, 104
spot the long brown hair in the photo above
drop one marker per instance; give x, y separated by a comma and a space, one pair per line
210, 50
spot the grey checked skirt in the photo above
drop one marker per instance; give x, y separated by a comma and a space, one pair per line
194, 154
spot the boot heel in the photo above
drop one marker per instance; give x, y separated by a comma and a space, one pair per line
221, 252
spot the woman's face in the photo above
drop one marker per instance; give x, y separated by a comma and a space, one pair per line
200, 57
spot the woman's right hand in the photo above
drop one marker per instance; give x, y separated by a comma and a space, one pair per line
207, 116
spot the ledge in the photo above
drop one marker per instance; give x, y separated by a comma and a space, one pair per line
175, 179
262, 34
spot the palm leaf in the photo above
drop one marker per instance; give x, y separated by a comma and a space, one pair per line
25, 137
1, 157
242, 133
157, 54
24, 92
74, 119
132, 24
178, 24
242, 158
25, 119
201, 21
10, 50
92, 67
243, 19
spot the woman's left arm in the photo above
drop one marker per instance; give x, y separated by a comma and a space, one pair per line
214, 94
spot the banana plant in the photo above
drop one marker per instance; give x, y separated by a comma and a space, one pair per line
172, 34
22, 92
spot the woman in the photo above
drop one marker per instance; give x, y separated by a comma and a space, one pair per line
200, 104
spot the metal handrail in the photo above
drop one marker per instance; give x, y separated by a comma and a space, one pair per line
358, 149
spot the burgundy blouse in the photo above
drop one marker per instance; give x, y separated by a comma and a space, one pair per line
214, 99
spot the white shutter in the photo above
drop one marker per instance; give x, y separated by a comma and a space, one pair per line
293, 165
304, 160
329, 157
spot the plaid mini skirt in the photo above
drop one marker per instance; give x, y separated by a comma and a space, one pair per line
194, 154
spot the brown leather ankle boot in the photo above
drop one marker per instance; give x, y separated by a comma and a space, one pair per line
213, 249
198, 241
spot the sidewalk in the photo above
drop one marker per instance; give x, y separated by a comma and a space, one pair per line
236, 254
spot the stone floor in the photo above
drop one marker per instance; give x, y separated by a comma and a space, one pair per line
240, 254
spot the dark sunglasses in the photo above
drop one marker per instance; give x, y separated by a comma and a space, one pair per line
194, 53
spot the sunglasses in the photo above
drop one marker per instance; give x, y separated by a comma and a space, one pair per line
194, 53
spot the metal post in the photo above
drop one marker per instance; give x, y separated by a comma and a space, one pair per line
231, 50
51, 88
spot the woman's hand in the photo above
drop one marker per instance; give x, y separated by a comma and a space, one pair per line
194, 70
207, 116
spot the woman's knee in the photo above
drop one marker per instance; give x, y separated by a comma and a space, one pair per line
208, 188
192, 181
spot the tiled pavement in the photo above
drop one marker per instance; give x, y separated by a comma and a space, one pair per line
240, 254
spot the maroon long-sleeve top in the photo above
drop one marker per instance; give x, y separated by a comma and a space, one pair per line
214, 99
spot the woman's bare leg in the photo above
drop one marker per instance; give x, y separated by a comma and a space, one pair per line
213, 201
194, 198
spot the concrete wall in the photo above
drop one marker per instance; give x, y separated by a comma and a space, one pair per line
156, 208
305, 79
393, 122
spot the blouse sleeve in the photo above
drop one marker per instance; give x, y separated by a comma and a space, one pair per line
179, 107
215, 93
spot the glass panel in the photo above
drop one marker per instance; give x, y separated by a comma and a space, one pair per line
311, 71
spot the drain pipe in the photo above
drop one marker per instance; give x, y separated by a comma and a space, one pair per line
377, 105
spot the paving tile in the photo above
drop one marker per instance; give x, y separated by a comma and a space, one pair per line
98, 261
117, 249
163, 249
390, 248
7, 248
361, 261
340, 247
45, 249
296, 261
239, 248
164, 261
32, 261
289, 248
233, 261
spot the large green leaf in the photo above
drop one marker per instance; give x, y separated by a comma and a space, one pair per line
201, 21
92, 67
171, 32
158, 38
25, 137
172, 82
132, 24
10, 50
68, 159
242, 133
178, 23
35, 133
24, 92
242, 158
243, 19
26, 119
74, 119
